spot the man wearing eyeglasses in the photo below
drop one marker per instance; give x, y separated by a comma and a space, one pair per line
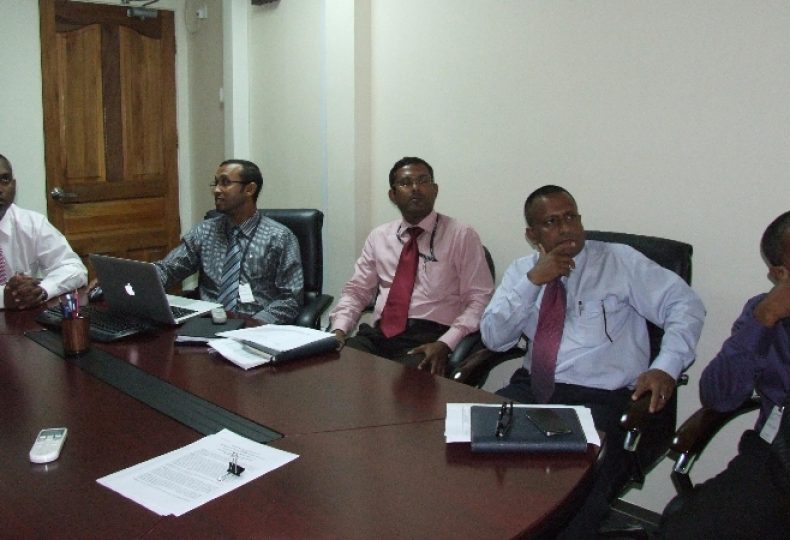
246, 261
583, 305
36, 261
427, 273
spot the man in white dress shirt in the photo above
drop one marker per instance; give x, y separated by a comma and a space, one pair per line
36, 261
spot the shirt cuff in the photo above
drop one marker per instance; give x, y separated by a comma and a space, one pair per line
452, 338
341, 323
265, 316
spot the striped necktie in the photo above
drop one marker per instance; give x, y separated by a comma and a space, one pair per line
3, 270
231, 272
551, 320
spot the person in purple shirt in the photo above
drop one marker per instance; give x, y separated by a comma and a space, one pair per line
452, 285
751, 497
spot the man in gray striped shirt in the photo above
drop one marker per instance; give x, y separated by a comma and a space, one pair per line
248, 262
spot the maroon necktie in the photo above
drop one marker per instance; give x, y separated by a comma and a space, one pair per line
548, 335
3, 271
396, 310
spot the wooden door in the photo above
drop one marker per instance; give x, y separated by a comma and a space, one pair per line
110, 128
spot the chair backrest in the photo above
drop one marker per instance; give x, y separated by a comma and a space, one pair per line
490, 262
306, 224
671, 254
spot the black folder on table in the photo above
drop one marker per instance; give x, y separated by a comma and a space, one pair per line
523, 436
314, 348
201, 329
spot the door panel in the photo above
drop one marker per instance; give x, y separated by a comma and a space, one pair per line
110, 128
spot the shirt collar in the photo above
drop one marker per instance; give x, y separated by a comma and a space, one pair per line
247, 228
8, 217
426, 224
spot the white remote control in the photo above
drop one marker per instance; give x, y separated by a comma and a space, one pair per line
48, 444
218, 315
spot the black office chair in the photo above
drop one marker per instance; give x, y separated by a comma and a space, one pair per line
657, 430
694, 435
648, 436
306, 224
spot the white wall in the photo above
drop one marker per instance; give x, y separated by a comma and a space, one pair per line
21, 113
206, 134
663, 118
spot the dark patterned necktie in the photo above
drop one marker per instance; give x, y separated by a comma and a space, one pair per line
231, 271
396, 310
548, 335
3, 271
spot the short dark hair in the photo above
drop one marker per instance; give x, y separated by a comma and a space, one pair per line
407, 161
771, 242
548, 189
249, 173
7, 164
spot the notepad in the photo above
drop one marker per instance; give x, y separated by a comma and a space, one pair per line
523, 436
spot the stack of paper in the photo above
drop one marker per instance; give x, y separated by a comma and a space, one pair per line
177, 482
251, 347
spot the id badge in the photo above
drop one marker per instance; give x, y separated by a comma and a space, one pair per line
771, 427
245, 293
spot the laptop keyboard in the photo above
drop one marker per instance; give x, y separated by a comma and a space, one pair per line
105, 326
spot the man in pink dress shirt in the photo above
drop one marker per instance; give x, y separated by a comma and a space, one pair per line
452, 287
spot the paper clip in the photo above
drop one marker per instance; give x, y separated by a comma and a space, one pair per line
233, 467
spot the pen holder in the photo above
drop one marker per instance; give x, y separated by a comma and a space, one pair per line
76, 336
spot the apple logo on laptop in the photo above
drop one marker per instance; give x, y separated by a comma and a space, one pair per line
129, 290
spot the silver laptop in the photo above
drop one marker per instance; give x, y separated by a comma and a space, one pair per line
133, 288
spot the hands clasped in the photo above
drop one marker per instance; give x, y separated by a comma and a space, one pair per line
23, 292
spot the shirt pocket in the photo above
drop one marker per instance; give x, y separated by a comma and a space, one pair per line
437, 279
600, 319
257, 267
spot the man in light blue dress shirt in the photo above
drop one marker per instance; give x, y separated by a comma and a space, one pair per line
603, 357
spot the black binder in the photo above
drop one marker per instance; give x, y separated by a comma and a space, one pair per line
523, 436
314, 348
202, 329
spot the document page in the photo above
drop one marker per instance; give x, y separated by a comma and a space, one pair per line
177, 482
278, 337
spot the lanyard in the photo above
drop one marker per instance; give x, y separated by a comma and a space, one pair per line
249, 241
426, 258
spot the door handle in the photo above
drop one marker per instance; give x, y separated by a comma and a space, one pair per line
59, 195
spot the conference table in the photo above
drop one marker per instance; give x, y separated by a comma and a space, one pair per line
369, 433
